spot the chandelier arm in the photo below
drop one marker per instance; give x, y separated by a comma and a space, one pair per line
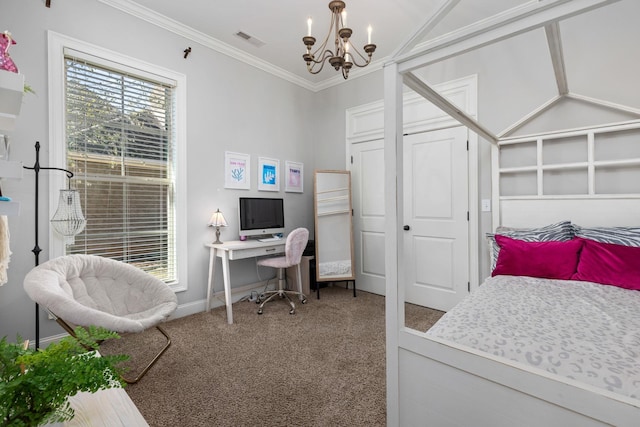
310, 69
323, 45
366, 60
326, 56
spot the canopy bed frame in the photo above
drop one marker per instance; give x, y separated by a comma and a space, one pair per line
431, 381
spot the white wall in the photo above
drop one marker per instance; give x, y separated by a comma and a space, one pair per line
231, 106
515, 77
330, 116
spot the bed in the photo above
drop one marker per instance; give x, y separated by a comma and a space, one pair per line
432, 379
583, 331
558, 350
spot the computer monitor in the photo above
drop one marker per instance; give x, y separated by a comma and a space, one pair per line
260, 217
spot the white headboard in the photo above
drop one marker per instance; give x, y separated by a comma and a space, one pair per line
587, 212
589, 176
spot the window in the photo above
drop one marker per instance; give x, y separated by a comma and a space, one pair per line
120, 140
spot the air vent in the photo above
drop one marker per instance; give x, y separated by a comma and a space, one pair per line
254, 41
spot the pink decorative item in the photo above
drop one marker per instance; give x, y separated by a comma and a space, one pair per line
550, 260
609, 264
6, 63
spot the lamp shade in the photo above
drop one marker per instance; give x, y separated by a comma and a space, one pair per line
68, 220
217, 219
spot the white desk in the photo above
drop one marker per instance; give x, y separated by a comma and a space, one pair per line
236, 250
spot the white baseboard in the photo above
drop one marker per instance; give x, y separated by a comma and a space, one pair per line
199, 306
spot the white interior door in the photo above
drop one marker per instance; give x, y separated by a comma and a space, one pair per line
436, 236
367, 176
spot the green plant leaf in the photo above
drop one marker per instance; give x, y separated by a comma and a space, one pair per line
35, 385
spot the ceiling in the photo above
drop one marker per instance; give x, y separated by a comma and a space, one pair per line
596, 49
281, 26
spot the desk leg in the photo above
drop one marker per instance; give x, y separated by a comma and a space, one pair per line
227, 286
212, 270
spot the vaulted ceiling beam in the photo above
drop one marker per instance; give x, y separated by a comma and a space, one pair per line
447, 106
441, 11
512, 22
554, 41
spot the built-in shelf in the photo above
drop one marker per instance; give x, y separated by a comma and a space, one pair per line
11, 93
607, 162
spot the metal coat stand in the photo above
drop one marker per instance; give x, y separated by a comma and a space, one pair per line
36, 249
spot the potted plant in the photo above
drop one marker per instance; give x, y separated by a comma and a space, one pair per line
35, 385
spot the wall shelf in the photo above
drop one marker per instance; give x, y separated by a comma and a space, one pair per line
11, 93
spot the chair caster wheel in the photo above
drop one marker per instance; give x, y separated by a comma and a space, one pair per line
304, 301
292, 311
260, 311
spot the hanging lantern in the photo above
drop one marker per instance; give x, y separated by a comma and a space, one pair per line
68, 220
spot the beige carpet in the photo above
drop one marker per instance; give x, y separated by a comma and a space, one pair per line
323, 366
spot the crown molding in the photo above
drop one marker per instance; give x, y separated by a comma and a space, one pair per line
180, 29
131, 8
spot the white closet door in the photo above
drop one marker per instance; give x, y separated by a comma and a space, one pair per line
436, 236
367, 175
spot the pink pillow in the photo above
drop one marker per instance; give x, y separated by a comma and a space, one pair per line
609, 264
549, 260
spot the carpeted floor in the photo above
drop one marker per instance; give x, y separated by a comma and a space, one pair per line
323, 366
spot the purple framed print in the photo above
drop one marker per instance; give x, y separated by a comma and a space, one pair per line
294, 177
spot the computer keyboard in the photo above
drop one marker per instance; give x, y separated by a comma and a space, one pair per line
270, 239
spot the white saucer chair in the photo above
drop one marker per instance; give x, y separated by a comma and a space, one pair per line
294, 247
85, 290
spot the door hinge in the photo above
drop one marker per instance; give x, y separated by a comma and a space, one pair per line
467, 145
467, 215
351, 159
468, 286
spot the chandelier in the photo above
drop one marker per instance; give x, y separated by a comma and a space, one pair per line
343, 57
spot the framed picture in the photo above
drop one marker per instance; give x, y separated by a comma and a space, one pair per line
237, 170
268, 174
293, 177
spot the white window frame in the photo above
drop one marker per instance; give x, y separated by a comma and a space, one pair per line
57, 145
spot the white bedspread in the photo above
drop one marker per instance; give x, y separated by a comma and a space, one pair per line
581, 330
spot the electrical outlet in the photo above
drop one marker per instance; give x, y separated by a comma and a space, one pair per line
486, 205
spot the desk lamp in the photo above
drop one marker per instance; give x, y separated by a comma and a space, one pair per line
217, 220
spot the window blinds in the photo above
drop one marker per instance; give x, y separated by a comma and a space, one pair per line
120, 146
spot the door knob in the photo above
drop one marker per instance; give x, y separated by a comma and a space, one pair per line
406, 228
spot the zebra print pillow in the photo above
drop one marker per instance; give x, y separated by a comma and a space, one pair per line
625, 236
560, 231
